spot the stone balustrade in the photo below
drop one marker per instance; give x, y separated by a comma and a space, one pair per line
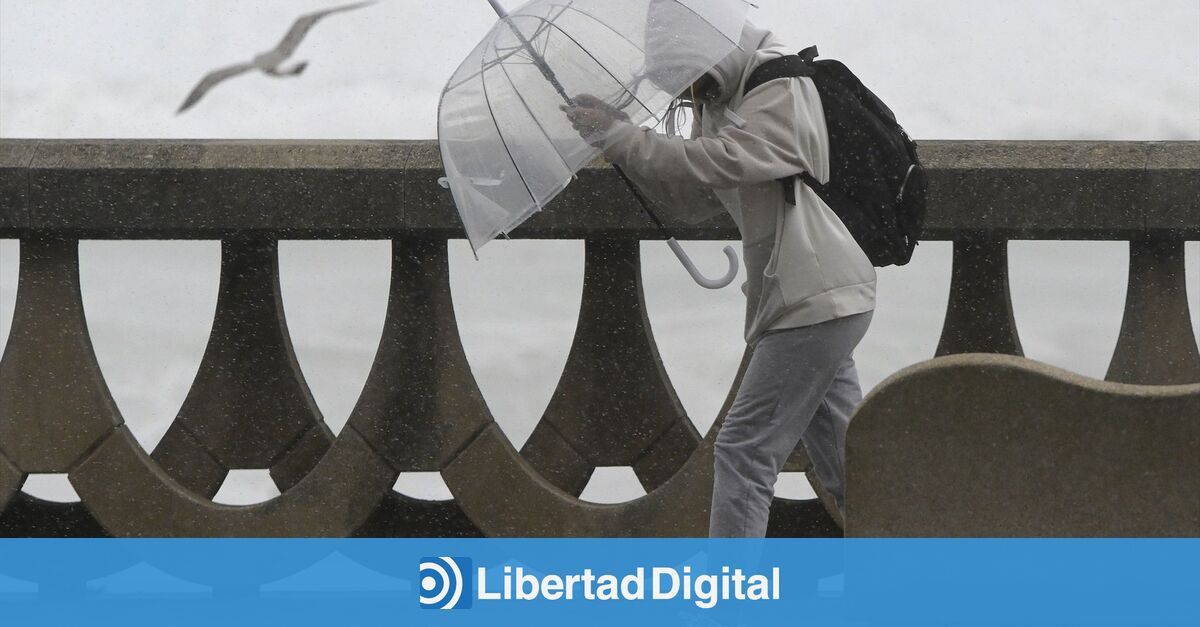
926, 451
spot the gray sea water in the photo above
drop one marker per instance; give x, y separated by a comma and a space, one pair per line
952, 69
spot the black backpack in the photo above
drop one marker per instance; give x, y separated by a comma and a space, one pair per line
876, 185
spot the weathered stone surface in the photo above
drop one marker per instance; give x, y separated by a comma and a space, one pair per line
799, 461
217, 188
54, 403
997, 446
556, 460
186, 460
1035, 189
667, 454
427, 205
506, 497
1172, 206
979, 314
304, 455
15, 157
420, 405
401, 516
30, 517
1157, 345
206, 189
10, 481
249, 403
802, 519
131, 495
614, 399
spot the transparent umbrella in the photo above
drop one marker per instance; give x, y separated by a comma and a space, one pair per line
507, 148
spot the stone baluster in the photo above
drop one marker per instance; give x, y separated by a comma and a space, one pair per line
614, 404
249, 406
1157, 345
54, 404
421, 405
979, 316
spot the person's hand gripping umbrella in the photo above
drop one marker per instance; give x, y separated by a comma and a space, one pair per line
507, 146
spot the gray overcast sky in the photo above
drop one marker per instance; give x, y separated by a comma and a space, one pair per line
984, 69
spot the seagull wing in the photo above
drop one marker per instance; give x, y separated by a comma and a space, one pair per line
211, 80
300, 29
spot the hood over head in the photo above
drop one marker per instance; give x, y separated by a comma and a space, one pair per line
679, 49
730, 71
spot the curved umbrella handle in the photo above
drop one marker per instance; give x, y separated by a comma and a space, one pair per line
700, 279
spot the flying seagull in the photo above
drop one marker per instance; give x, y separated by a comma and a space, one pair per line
269, 62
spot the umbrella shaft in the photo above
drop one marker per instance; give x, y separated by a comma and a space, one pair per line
537, 58
562, 92
500, 10
533, 53
637, 194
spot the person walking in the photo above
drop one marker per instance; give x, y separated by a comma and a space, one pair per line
810, 288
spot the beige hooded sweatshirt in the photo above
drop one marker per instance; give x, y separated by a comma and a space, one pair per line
803, 266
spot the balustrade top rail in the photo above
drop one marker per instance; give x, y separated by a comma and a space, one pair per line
134, 189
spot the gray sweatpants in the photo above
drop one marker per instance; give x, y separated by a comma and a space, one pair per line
801, 385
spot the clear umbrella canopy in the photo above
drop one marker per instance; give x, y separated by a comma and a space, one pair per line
508, 149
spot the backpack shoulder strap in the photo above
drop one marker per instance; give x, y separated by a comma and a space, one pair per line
784, 67
791, 66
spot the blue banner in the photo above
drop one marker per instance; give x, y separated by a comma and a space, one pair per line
600, 582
